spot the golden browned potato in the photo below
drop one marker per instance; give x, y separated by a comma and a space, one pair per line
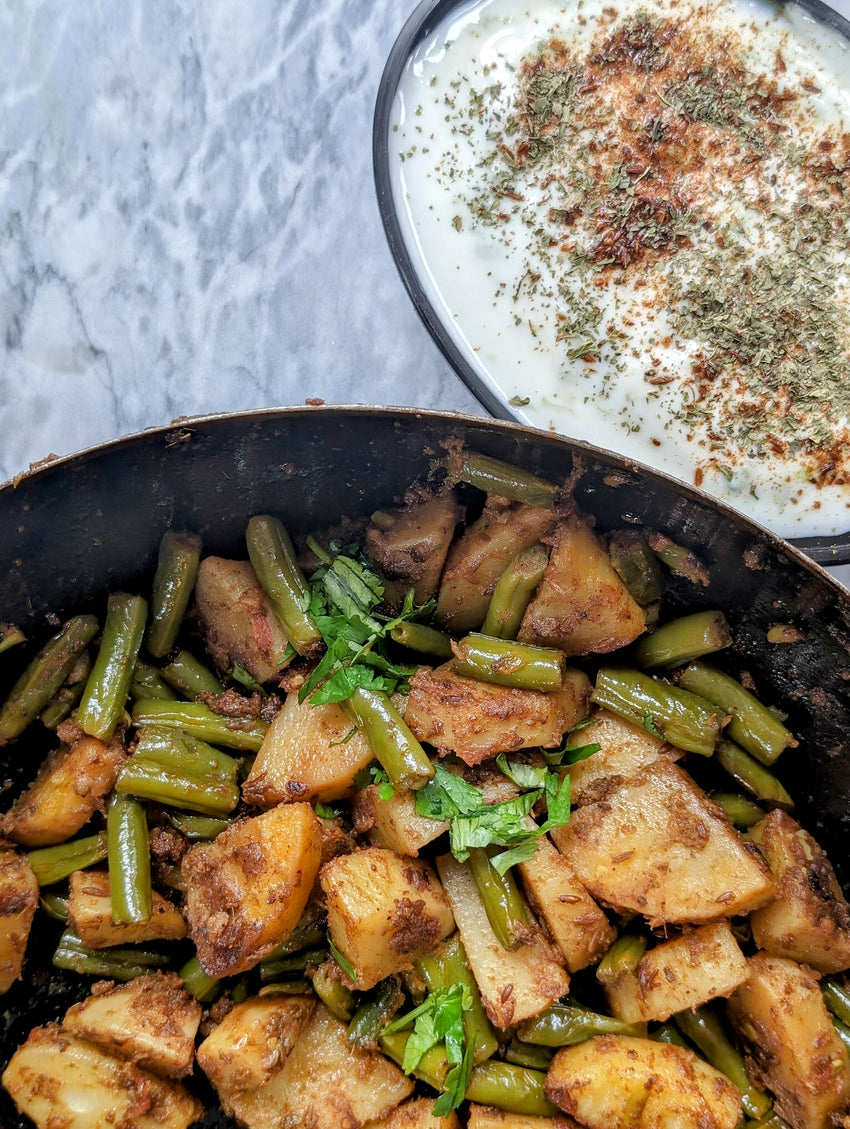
477, 720
246, 890
480, 556
384, 910
809, 920
68, 790
151, 1021
308, 753
239, 624
793, 1049
393, 822
656, 845
410, 544
624, 1082
62, 1082
700, 965
18, 903
486, 1117
625, 748
581, 606
90, 914
514, 985
416, 1114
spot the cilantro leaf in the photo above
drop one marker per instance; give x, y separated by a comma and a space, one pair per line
457, 1083
523, 775
447, 796
343, 961
438, 1019
577, 753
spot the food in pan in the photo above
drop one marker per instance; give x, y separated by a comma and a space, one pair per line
450, 815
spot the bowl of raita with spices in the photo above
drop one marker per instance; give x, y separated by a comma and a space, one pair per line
630, 223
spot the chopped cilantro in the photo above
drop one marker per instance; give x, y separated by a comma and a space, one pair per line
343, 961
439, 1020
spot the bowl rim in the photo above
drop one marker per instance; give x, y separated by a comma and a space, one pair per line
824, 549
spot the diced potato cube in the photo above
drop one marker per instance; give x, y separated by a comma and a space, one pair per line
416, 1114
384, 910
90, 914
480, 556
410, 548
794, 1050
246, 890
575, 922
238, 621
247, 1049
393, 822
477, 720
58, 1080
68, 790
486, 1117
151, 1021
514, 985
809, 920
623, 1082
309, 753
18, 903
685, 972
581, 606
625, 748
656, 845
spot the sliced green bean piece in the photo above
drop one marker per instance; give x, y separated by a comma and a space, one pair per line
679, 716
338, 999
529, 1054
423, 639
431, 1068
52, 864
108, 685
61, 705
212, 794
755, 727
837, 999
636, 565
622, 957
501, 900
681, 561
564, 1025
842, 1031
751, 774
201, 987
54, 905
684, 639
129, 860
513, 593
447, 967
514, 1089
705, 1030
742, 811
176, 571
273, 968
148, 683
275, 563
113, 963
190, 676
402, 757
197, 828
496, 477
44, 676
374, 1014
181, 752
10, 636
505, 662
198, 720
670, 1033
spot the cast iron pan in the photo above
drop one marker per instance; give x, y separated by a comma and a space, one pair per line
82, 526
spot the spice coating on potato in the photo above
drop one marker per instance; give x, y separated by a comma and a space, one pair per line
625, 748
18, 902
90, 914
411, 543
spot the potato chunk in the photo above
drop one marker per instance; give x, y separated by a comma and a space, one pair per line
59, 1080
151, 1021
625, 748
685, 972
581, 606
394, 823
90, 913
623, 1082
485, 1117
239, 624
656, 845
410, 545
478, 720
480, 556
514, 985
308, 753
18, 903
246, 890
794, 1051
68, 790
384, 910
809, 920
416, 1114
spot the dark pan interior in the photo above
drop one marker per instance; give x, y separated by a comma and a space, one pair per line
76, 529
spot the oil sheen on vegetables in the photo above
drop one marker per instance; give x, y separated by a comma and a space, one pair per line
635, 220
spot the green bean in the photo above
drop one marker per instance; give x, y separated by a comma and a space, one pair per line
108, 685
637, 566
113, 963
43, 677
442, 970
741, 810
52, 864
505, 662
10, 636
374, 1013
422, 638
181, 752
842, 1031
198, 720
528, 1054
338, 999
273, 557
681, 561
670, 1033
501, 900
55, 905
214, 794
675, 714
705, 1030
272, 967
514, 1089
752, 775
513, 593
496, 477
147, 683
431, 1068
190, 676
684, 639
771, 1120
622, 958
752, 725
201, 987
402, 757
129, 860
176, 571
197, 827
61, 705
837, 999
564, 1025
